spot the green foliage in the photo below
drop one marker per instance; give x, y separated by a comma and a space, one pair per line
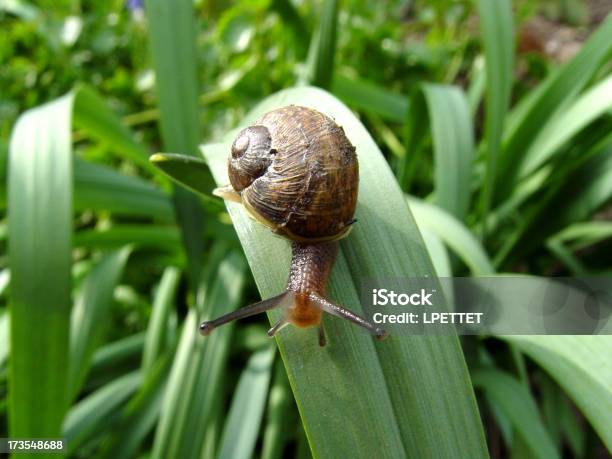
502, 156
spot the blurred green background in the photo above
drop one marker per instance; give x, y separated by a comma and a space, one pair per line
495, 118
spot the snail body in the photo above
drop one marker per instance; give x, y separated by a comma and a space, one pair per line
295, 171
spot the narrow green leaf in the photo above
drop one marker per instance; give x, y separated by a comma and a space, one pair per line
453, 139
459, 238
323, 46
370, 98
498, 40
149, 236
581, 366
246, 411
478, 80
423, 404
551, 97
585, 233
172, 41
196, 378
437, 251
278, 415
116, 353
560, 129
514, 400
98, 187
157, 336
92, 114
39, 249
90, 315
96, 412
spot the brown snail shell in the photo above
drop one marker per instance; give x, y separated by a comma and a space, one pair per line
297, 173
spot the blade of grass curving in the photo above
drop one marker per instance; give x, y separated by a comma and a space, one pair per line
278, 414
323, 47
453, 140
549, 98
172, 41
498, 41
98, 187
90, 315
246, 411
157, 339
92, 114
437, 251
118, 353
416, 126
581, 366
39, 250
114, 360
413, 393
514, 400
584, 234
370, 98
93, 414
196, 378
458, 237
559, 130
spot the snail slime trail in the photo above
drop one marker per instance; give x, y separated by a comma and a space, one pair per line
295, 171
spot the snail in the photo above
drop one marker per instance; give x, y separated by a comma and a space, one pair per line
295, 171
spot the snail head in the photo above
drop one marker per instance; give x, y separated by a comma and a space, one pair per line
251, 156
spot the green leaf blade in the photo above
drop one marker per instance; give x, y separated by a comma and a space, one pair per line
40, 232
393, 387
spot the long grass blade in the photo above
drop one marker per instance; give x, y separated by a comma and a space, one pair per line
93, 116
96, 412
514, 400
172, 40
498, 40
278, 415
370, 98
157, 332
454, 234
148, 236
453, 140
246, 411
323, 46
98, 187
39, 249
90, 315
